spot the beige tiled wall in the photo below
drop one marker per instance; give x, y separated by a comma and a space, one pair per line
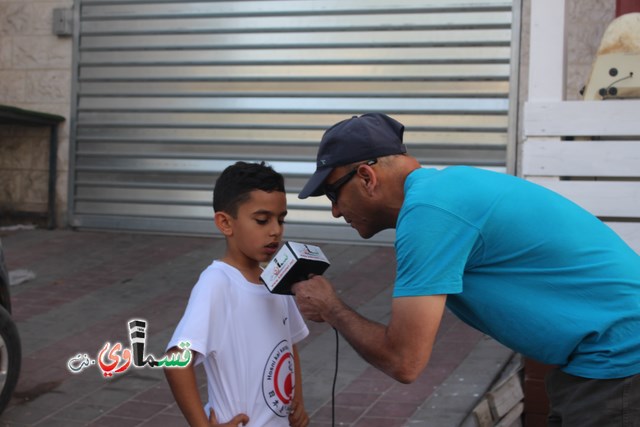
587, 22
35, 74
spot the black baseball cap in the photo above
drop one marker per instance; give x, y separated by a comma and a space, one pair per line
359, 138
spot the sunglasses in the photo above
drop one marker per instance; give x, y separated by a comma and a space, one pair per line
331, 190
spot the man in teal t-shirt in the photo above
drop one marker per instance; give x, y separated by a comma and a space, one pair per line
512, 259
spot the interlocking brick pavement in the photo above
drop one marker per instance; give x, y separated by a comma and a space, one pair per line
89, 284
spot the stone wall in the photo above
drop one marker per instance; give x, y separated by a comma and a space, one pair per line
35, 74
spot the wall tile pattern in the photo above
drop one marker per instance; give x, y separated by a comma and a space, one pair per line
35, 74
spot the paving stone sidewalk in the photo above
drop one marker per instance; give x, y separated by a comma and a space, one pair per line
89, 284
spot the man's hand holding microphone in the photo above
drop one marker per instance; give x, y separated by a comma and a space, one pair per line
316, 299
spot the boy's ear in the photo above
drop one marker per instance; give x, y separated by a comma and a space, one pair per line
223, 222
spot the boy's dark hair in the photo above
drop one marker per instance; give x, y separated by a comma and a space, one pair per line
236, 182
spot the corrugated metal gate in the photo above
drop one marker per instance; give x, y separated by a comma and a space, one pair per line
168, 93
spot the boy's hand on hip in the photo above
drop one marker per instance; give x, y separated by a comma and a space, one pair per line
240, 419
298, 417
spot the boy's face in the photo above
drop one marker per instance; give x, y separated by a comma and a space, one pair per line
257, 229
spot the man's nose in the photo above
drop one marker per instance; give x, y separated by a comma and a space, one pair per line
335, 211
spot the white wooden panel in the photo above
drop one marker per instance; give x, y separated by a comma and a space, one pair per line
581, 158
629, 231
547, 118
601, 198
547, 50
582, 118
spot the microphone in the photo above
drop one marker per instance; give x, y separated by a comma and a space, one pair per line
293, 263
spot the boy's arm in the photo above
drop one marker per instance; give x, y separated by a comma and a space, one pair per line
184, 387
185, 390
298, 416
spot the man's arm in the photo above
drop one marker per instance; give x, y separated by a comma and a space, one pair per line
401, 349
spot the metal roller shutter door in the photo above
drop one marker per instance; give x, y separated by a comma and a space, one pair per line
168, 93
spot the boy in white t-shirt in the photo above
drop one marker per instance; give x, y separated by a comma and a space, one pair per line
243, 335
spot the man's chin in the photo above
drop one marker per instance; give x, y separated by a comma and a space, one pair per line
366, 234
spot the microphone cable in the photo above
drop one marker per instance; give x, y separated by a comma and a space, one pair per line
333, 387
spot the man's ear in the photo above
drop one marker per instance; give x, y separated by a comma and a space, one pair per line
223, 221
368, 177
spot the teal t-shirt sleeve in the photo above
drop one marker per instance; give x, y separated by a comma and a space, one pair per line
433, 247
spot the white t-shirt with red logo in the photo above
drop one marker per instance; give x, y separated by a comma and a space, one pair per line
244, 336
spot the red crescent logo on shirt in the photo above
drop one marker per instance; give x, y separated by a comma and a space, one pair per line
278, 379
